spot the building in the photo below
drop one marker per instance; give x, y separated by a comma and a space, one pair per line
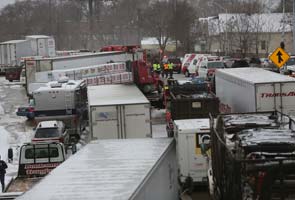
248, 35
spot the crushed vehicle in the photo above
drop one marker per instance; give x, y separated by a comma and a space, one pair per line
252, 156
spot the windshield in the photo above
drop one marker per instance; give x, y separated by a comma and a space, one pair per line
291, 61
47, 133
212, 65
41, 153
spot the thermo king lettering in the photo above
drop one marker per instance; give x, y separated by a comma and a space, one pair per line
282, 94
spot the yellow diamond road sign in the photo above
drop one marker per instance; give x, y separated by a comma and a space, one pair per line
279, 57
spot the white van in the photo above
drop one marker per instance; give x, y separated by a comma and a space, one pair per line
192, 67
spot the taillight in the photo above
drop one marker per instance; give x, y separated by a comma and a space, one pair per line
61, 140
31, 109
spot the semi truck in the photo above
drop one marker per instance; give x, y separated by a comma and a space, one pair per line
134, 169
118, 112
252, 156
36, 160
36, 68
254, 90
11, 52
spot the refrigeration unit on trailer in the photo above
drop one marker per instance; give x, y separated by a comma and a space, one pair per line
192, 148
254, 90
34, 67
118, 111
133, 169
64, 100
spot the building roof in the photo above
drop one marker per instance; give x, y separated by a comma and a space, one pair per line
240, 22
103, 169
120, 94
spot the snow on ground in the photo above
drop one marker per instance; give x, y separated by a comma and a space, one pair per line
1, 110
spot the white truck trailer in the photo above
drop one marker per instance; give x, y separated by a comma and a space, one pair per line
12, 51
41, 45
254, 90
192, 149
134, 169
118, 112
37, 67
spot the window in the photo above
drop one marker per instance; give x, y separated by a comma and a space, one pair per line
47, 132
263, 44
41, 153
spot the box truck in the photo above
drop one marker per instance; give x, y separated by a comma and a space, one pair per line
254, 90
134, 169
118, 111
192, 149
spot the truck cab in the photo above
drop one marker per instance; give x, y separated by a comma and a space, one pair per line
36, 160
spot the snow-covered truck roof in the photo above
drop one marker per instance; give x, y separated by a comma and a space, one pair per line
13, 41
120, 94
252, 75
55, 85
103, 169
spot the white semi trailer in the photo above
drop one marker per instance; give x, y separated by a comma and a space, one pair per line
134, 169
254, 90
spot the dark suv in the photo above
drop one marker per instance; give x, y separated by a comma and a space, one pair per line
240, 63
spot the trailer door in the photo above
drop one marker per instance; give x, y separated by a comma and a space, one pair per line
276, 96
136, 122
197, 162
105, 122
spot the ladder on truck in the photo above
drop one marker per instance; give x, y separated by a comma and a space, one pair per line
68, 101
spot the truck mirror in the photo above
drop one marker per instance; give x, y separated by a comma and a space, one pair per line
10, 155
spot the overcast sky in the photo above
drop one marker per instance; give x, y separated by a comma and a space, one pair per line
5, 2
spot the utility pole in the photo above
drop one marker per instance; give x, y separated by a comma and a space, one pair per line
176, 26
293, 26
90, 18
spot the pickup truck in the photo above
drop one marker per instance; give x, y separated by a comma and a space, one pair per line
26, 111
36, 160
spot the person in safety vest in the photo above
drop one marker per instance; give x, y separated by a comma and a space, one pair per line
170, 69
158, 68
166, 69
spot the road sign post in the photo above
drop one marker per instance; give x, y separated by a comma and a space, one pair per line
279, 57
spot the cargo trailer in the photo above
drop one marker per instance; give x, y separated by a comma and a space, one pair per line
134, 169
41, 45
192, 148
12, 51
254, 90
35, 68
118, 112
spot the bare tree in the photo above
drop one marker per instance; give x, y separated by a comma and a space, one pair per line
156, 23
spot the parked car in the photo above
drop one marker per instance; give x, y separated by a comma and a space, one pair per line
26, 111
50, 131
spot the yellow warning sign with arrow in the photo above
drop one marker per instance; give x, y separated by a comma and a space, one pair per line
279, 57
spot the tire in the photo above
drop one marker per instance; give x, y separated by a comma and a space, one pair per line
187, 74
